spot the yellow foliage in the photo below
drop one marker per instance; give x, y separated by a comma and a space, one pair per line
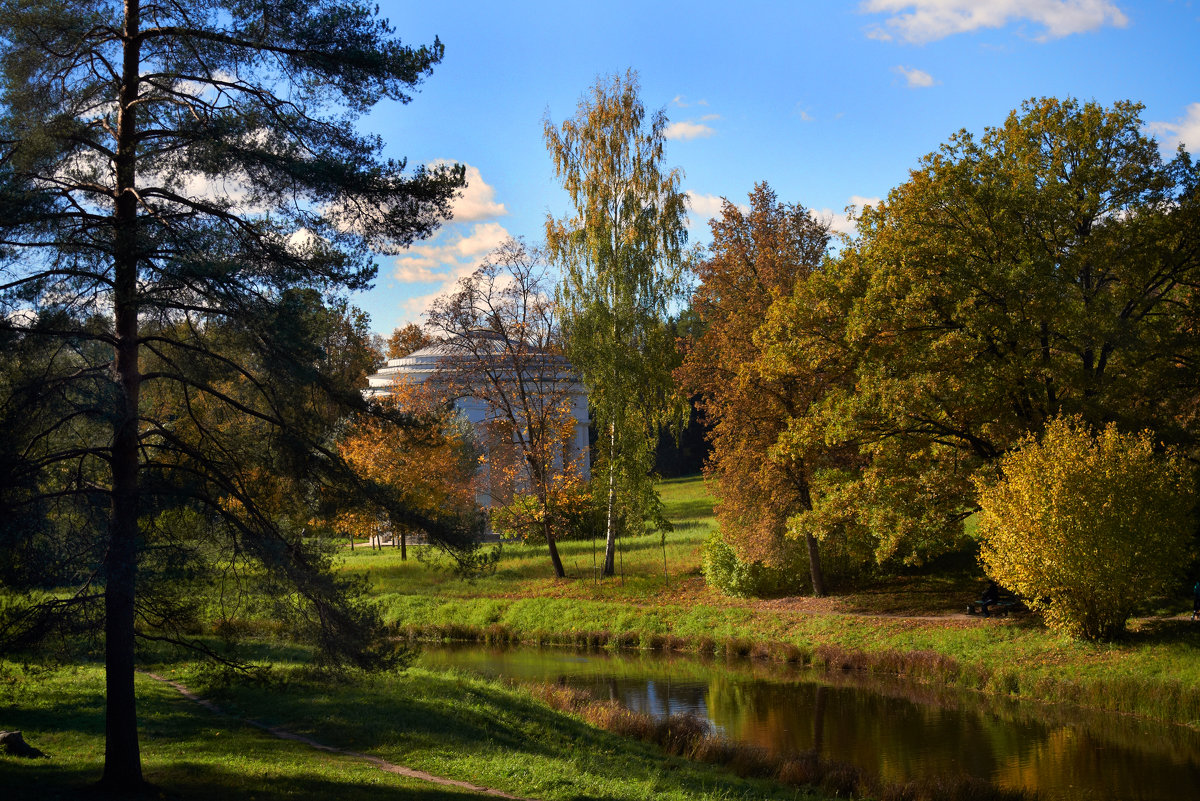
1085, 526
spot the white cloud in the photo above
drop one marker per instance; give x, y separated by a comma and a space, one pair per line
450, 252
478, 199
680, 101
457, 248
915, 78
1183, 131
412, 309
921, 21
702, 208
688, 130
841, 222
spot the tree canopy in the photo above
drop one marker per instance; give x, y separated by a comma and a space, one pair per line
1086, 525
756, 259
1048, 267
182, 196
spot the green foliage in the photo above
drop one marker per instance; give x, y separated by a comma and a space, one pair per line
184, 199
1045, 267
731, 575
1086, 526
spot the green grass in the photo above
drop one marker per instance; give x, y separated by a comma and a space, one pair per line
526, 570
892, 623
474, 730
447, 724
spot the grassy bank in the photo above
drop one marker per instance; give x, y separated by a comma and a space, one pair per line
909, 625
445, 724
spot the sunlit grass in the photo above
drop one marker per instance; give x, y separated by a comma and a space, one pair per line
525, 570
1155, 671
187, 751
445, 723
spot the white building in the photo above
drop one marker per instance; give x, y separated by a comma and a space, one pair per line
458, 365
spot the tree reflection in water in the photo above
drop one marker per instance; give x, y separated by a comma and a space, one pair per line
896, 730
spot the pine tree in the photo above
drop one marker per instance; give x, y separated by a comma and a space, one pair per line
182, 192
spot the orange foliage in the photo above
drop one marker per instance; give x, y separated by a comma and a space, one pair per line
756, 260
433, 464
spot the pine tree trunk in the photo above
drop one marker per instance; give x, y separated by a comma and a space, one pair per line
610, 542
122, 758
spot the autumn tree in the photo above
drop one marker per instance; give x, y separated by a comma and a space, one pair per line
1047, 267
420, 447
621, 251
407, 339
174, 177
501, 347
1087, 525
756, 259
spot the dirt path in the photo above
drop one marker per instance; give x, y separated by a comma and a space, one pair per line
382, 764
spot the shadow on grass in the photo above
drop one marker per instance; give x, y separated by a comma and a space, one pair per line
186, 780
455, 718
1165, 631
197, 781
438, 713
690, 509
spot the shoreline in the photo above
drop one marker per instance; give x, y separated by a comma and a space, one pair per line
1146, 694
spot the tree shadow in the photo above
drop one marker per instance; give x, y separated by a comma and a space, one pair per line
188, 780
1164, 631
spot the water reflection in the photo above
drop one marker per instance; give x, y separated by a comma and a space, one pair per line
896, 730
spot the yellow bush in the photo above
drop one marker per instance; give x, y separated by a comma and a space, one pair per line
1085, 526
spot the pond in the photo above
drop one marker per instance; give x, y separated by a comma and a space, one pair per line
893, 729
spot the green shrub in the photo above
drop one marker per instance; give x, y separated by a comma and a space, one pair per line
1086, 526
733, 576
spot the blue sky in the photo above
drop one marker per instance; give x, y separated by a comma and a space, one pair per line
830, 103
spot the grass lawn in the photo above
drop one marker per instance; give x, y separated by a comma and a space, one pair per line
482, 732
187, 751
910, 623
446, 724
525, 571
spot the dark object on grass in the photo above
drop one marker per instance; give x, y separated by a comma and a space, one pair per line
995, 600
13, 743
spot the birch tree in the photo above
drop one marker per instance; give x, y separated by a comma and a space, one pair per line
621, 250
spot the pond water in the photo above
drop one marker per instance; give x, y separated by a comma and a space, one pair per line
893, 729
